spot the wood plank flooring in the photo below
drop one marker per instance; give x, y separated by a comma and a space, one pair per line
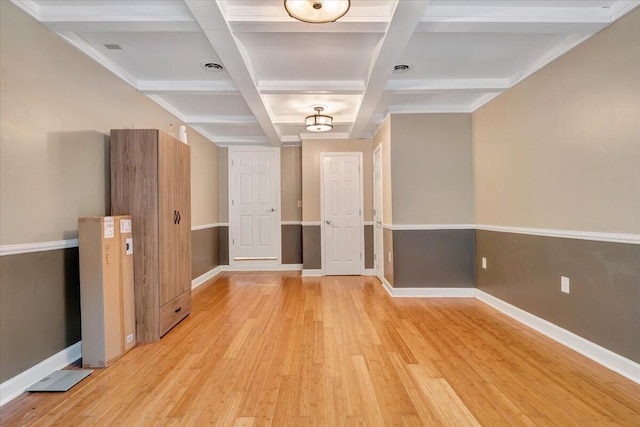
277, 349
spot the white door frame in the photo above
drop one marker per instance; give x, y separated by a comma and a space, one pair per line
233, 222
379, 253
323, 155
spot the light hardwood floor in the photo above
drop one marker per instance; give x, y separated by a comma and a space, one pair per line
275, 349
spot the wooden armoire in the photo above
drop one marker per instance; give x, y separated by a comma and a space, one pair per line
151, 181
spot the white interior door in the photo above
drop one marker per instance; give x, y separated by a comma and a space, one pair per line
342, 224
254, 217
378, 250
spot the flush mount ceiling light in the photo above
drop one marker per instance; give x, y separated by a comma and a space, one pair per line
317, 11
318, 122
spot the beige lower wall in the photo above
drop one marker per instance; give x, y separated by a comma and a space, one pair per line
311, 149
432, 169
56, 109
561, 150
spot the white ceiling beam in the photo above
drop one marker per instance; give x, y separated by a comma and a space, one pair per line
622, 7
419, 87
204, 87
272, 87
501, 19
210, 18
222, 120
404, 21
94, 16
288, 26
424, 109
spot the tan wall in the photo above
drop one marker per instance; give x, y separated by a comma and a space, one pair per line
311, 150
55, 120
561, 150
383, 137
432, 169
291, 183
204, 182
223, 175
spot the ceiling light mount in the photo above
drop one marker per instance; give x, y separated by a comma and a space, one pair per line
402, 67
318, 122
317, 11
211, 66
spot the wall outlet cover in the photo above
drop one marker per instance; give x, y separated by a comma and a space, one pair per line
565, 284
484, 263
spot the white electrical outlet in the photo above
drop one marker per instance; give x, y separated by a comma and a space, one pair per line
484, 263
129, 338
565, 284
389, 256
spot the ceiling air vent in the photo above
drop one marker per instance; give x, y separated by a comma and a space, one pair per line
112, 46
402, 68
211, 66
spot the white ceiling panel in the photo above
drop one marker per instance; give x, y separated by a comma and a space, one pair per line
158, 55
473, 55
287, 108
313, 56
209, 105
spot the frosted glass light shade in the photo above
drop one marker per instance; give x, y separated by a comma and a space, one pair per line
318, 122
317, 11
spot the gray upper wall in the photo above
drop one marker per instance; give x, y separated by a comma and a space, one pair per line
561, 149
431, 169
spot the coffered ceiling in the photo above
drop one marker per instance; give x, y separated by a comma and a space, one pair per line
461, 53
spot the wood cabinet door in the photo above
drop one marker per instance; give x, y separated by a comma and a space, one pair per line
183, 197
170, 285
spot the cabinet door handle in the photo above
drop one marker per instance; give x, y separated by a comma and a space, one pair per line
179, 217
175, 217
178, 309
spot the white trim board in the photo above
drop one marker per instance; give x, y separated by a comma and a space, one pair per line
601, 355
25, 248
262, 267
401, 227
206, 276
311, 273
13, 387
428, 292
633, 239
205, 226
290, 222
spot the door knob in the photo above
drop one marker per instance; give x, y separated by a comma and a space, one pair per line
329, 222
271, 210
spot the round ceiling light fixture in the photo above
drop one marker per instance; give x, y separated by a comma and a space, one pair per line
317, 11
318, 122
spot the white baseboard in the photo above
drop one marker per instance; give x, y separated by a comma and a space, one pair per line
311, 273
429, 292
262, 267
206, 276
15, 386
369, 271
607, 358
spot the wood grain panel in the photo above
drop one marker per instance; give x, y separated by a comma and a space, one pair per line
183, 198
134, 192
168, 217
174, 311
277, 349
